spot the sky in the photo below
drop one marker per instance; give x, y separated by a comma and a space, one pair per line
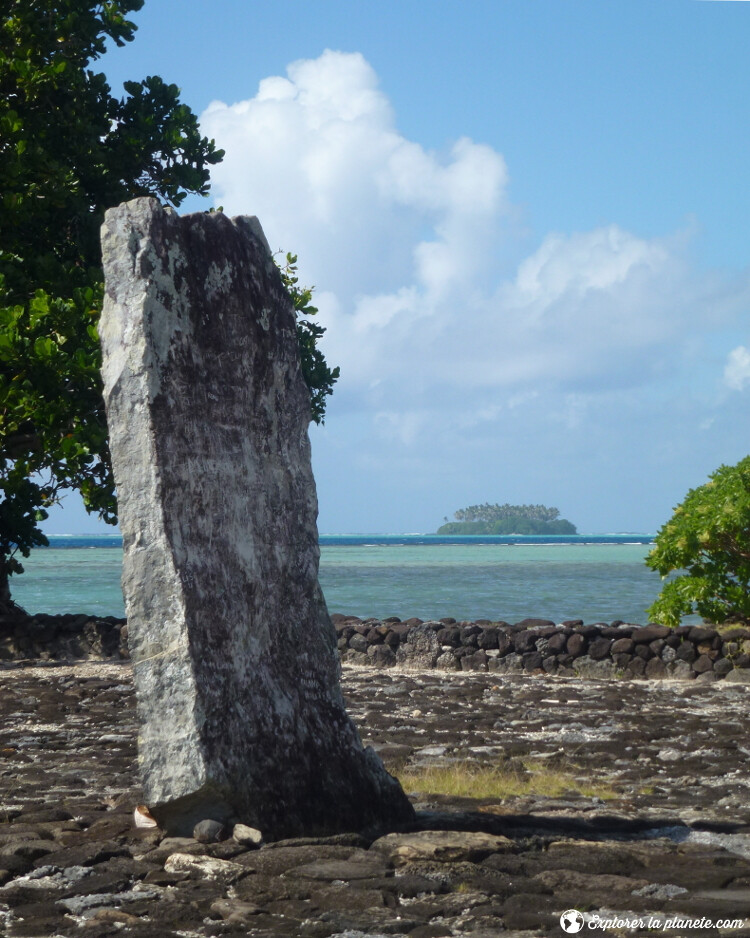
527, 225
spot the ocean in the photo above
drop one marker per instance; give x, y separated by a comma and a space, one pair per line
594, 578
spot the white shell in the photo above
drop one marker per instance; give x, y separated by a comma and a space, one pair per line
143, 817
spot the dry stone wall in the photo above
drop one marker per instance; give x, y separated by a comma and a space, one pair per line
571, 649
618, 651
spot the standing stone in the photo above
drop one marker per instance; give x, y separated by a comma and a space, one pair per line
234, 655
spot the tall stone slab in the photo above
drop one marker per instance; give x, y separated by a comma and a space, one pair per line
234, 656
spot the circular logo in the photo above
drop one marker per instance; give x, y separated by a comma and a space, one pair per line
572, 921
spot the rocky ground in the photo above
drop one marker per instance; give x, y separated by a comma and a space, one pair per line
667, 838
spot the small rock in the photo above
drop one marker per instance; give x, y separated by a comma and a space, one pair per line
113, 916
599, 649
430, 930
738, 676
706, 677
649, 633
441, 846
562, 881
575, 645
700, 634
345, 870
686, 652
209, 831
382, 656
669, 755
234, 911
160, 878
535, 624
680, 670
28, 849
524, 641
655, 669
79, 905
447, 662
622, 646
52, 877
247, 836
637, 666
723, 667
586, 667
359, 643
338, 841
339, 898
84, 854
204, 866
660, 891
703, 664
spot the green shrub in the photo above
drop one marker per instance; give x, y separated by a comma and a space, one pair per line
707, 539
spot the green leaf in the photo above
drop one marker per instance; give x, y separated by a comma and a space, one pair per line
71, 150
44, 347
706, 544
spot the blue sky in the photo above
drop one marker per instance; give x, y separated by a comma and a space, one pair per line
528, 224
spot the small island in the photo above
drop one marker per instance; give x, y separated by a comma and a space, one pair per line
507, 519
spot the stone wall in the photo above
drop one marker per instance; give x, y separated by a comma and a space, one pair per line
619, 650
62, 638
572, 649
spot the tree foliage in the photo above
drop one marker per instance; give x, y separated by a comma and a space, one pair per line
69, 150
319, 378
487, 512
707, 539
507, 519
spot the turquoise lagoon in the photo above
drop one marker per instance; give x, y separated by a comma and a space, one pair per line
594, 578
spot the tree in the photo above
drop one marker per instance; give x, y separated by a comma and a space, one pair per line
491, 513
319, 378
507, 519
69, 150
707, 537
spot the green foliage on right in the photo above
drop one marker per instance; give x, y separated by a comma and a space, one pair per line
708, 538
507, 519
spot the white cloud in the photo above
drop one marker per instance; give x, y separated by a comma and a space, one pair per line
737, 369
403, 246
318, 158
